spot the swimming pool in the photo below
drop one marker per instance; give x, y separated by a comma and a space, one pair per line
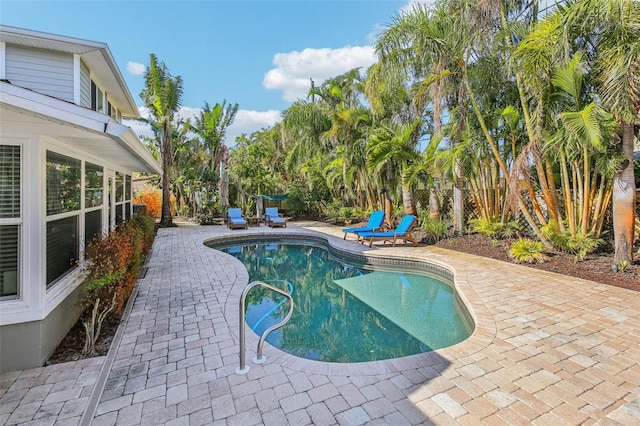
346, 312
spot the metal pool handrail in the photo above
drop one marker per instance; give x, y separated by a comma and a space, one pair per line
259, 359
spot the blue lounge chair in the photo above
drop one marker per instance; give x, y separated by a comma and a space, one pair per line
404, 231
272, 217
235, 220
375, 223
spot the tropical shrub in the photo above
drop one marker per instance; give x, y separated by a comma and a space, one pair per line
493, 228
582, 245
113, 264
435, 229
334, 211
151, 199
525, 250
551, 231
578, 244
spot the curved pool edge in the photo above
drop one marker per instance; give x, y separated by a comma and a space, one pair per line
483, 334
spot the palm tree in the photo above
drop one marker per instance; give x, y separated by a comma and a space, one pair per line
211, 125
393, 143
613, 26
608, 33
162, 95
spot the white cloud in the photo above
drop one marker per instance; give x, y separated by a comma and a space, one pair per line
409, 6
135, 68
245, 122
293, 70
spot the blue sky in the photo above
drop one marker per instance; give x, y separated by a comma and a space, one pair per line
257, 53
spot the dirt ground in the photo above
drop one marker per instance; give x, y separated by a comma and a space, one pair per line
596, 267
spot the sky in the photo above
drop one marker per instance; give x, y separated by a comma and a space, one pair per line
260, 54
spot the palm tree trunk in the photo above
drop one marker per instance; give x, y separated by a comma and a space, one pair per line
624, 201
494, 148
166, 219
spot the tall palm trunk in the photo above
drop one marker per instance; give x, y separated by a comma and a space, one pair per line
624, 201
503, 167
407, 196
166, 218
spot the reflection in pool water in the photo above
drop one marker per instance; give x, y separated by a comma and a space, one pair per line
345, 313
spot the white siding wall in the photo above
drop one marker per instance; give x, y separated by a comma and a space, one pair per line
46, 72
85, 86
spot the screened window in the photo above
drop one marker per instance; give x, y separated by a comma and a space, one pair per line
62, 248
119, 187
119, 214
10, 177
9, 181
99, 100
92, 225
127, 189
63, 183
93, 185
9, 260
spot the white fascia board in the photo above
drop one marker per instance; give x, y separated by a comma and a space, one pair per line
54, 108
128, 138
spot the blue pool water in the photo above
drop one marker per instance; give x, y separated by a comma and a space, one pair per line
345, 313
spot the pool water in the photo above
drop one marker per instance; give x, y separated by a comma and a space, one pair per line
345, 313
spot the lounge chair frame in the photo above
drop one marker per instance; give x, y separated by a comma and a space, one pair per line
375, 223
393, 236
271, 213
232, 214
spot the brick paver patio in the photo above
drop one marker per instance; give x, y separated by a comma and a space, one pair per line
547, 350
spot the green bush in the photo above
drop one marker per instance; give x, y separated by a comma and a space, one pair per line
334, 211
113, 264
582, 245
524, 250
435, 229
578, 244
494, 228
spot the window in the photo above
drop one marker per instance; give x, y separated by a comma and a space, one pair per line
120, 196
63, 183
93, 185
127, 191
100, 100
10, 220
9, 181
93, 199
119, 187
97, 98
127, 197
92, 225
9, 260
62, 248
63, 213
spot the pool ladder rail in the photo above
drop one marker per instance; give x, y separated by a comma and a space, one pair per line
259, 359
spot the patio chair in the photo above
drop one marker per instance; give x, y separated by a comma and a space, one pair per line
374, 224
235, 219
273, 218
404, 231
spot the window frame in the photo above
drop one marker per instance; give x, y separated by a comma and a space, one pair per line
17, 221
54, 217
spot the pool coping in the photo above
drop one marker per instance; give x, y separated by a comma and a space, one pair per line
482, 336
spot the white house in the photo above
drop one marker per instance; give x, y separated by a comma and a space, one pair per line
66, 164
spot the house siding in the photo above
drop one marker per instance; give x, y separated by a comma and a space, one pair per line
19, 353
49, 73
85, 86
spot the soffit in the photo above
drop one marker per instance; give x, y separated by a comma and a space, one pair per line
95, 55
24, 113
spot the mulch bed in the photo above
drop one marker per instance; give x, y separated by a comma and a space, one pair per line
596, 267
70, 349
